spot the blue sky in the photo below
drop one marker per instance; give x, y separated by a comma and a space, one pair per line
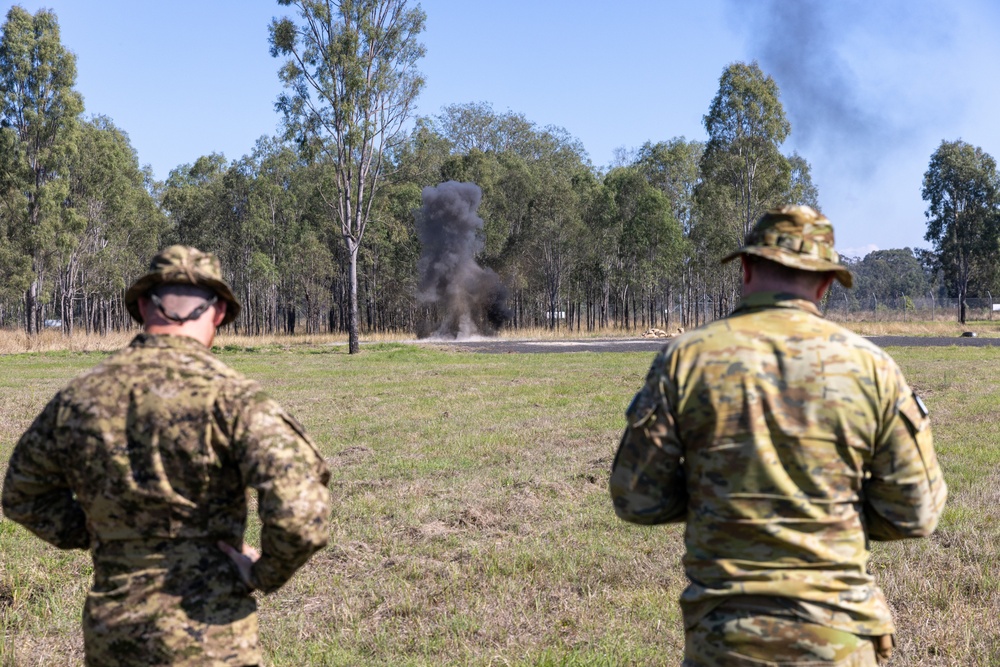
871, 89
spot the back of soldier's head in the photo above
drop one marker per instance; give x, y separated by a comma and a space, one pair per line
782, 273
180, 280
796, 237
181, 302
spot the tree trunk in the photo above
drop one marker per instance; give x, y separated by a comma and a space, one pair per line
353, 346
962, 292
30, 301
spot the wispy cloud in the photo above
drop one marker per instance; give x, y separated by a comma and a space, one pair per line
859, 252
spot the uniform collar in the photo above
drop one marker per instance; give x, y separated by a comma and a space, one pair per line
762, 300
149, 340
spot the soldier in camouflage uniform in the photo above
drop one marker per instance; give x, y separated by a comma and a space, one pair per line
146, 461
786, 443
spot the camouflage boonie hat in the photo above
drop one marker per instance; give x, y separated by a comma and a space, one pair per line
183, 265
798, 237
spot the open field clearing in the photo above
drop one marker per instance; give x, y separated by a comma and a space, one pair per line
51, 340
472, 526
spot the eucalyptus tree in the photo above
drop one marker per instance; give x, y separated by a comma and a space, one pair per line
962, 191
743, 170
419, 159
475, 126
556, 234
123, 225
743, 173
39, 112
801, 189
673, 168
352, 81
887, 275
388, 262
194, 198
267, 211
648, 246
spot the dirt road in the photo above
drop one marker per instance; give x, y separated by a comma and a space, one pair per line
652, 345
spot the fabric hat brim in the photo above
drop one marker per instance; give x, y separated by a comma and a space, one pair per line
796, 261
147, 282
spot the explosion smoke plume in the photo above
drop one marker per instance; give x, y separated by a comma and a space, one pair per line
466, 298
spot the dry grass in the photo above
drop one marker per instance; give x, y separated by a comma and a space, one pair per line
471, 523
947, 328
52, 340
15, 341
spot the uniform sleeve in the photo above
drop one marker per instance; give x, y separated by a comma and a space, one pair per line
36, 492
905, 492
282, 464
647, 476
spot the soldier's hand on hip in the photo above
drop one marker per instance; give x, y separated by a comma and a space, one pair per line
243, 560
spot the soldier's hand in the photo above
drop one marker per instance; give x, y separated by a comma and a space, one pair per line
243, 560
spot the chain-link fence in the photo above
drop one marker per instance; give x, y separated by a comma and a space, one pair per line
906, 309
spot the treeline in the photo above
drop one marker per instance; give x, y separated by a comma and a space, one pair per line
631, 247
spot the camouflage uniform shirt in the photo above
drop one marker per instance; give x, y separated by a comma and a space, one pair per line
146, 460
785, 442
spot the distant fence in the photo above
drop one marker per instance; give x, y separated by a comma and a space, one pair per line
905, 308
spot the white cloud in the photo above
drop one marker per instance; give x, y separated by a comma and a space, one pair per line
860, 252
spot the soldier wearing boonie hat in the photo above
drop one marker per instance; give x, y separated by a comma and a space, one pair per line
785, 443
797, 237
145, 461
182, 265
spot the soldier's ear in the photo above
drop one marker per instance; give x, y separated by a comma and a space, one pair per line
220, 307
145, 308
747, 269
821, 289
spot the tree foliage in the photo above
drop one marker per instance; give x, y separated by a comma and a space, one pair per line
744, 172
352, 81
38, 120
962, 192
316, 228
885, 276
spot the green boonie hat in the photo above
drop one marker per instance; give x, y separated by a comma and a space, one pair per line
798, 237
183, 265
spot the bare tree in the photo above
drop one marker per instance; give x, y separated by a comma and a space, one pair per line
352, 81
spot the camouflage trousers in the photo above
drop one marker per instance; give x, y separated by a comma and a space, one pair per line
736, 635
177, 603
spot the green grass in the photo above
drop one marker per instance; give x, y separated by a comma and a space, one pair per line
471, 524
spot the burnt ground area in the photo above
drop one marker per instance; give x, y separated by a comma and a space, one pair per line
652, 345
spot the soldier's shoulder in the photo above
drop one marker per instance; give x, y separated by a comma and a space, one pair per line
822, 334
694, 337
108, 369
137, 366
840, 336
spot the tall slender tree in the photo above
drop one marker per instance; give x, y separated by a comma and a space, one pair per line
39, 111
352, 81
743, 172
672, 168
962, 191
743, 169
123, 223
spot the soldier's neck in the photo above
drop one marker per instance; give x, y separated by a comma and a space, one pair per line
193, 329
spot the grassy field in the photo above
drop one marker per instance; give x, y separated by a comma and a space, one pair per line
472, 526
53, 340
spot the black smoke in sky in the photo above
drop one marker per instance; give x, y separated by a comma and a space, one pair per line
465, 298
801, 43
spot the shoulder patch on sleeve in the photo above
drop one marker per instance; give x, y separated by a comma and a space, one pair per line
914, 412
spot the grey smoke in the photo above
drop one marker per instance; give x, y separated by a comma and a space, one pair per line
801, 42
465, 298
